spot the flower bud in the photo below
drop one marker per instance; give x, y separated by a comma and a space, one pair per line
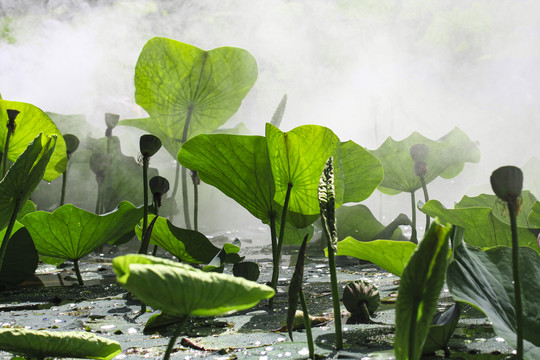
507, 183
149, 145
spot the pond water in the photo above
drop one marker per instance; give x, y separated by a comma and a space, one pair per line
102, 307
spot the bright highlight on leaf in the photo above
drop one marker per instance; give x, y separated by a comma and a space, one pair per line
180, 290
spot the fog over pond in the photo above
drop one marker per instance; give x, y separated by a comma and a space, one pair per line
366, 69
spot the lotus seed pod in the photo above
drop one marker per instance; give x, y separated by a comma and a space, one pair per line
358, 293
12, 115
159, 185
111, 120
149, 145
98, 164
72, 143
507, 183
419, 154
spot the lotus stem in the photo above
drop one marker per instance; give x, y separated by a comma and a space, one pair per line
414, 236
184, 171
196, 183
12, 115
307, 324
78, 271
335, 295
273, 238
426, 199
517, 281
176, 334
142, 250
175, 187
63, 194
275, 270
156, 212
9, 229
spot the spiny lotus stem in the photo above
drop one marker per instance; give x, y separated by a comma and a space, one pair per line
149, 145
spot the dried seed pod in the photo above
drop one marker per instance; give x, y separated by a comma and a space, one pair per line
72, 143
98, 165
419, 154
111, 120
507, 183
149, 145
12, 115
158, 186
361, 299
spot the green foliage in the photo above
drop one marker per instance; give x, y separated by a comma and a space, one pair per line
481, 226
441, 329
447, 157
295, 287
70, 233
388, 254
298, 157
358, 222
21, 258
421, 283
31, 122
187, 245
188, 91
23, 177
484, 280
179, 289
40, 344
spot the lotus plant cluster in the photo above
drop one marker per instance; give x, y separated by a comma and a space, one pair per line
293, 182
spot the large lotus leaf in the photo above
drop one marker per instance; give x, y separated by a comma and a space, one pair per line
534, 215
362, 172
123, 180
421, 283
71, 233
40, 344
297, 158
499, 208
31, 122
181, 290
235, 164
446, 158
485, 279
23, 177
389, 254
187, 245
482, 227
358, 222
183, 87
21, 258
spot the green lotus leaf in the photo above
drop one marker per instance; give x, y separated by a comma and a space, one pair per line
358, 222
389, 254
180, 290
298, 158
362, 172
481, 226
484, 280
235, 164
21, 258
446, 158
188, 91
40, 344
441, 329
187, 245
30, 122
421, 283
23, 177
71, 233
499, 209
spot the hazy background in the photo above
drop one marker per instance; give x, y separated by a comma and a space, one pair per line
366, 69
